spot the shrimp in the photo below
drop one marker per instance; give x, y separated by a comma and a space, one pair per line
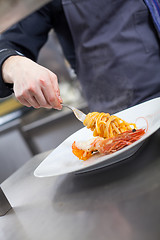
84, 150
114, 144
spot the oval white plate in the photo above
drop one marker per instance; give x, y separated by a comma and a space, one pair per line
61, 160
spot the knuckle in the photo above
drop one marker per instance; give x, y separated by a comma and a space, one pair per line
32, 89
42, 81
22, 95
25, 95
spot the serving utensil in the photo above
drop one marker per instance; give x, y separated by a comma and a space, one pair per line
79, 114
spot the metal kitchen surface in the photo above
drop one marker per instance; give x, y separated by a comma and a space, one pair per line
120, 202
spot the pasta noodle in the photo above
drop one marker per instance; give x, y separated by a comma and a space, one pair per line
106, 125
113, 134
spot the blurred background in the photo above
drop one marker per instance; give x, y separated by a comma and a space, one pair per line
25, 132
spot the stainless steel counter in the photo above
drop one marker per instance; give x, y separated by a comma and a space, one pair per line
117, 203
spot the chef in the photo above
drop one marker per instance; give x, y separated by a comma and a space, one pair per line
112, 45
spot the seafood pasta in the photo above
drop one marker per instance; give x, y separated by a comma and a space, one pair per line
106, 125
113, 134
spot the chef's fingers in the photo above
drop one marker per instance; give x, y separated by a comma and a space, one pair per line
51, 91
24, 102
33, 102
33, 94
40, 99
39, 96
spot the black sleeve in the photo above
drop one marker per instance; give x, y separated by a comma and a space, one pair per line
25, 38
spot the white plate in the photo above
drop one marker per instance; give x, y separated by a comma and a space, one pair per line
61, 160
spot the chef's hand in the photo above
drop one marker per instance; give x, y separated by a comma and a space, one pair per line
33, 84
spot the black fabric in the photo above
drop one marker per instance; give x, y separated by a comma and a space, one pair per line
6, 89
117, 49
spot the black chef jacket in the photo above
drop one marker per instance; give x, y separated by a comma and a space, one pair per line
112, 44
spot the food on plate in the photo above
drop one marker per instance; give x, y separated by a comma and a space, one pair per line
106, 125
110, 134
114, 144
84, 150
